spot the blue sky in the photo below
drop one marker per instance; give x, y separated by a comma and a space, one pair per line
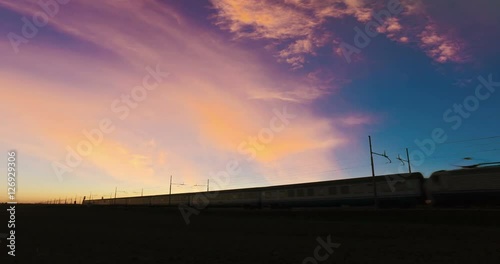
265, 88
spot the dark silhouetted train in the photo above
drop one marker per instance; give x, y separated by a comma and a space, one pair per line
461, 187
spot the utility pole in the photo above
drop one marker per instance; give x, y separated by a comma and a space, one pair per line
208, 184
406, 160
116, 188
375, 197
170, 192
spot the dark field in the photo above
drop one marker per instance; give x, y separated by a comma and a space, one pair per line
77, 234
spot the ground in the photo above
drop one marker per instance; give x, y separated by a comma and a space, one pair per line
80, 234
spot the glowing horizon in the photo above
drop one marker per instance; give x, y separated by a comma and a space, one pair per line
118, 93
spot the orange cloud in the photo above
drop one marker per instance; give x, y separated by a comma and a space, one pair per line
217, 96
298, 26
296, 22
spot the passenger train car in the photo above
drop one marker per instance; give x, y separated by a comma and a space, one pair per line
347, 192
455, 187
477, 186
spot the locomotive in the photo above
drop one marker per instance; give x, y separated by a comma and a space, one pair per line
460, 187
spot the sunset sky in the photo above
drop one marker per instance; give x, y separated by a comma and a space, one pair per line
276, 91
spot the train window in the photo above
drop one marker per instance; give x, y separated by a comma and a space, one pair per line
310, 192
332, 190
344, 189
359, 188
291, 193
300, 192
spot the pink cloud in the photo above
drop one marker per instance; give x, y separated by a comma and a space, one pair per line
297, 23
216, 96
441, 47
298, 26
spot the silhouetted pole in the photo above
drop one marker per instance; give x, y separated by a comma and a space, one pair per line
208, 184
375, 198
170, 192
116, 188
408, 158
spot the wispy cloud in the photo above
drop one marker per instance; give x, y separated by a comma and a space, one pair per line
216, 96
441, 47
300, 26
221, 91
355, 120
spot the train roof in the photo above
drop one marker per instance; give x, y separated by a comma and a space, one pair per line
488, 168
368, 179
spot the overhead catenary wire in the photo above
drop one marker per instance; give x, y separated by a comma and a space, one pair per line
460, 148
